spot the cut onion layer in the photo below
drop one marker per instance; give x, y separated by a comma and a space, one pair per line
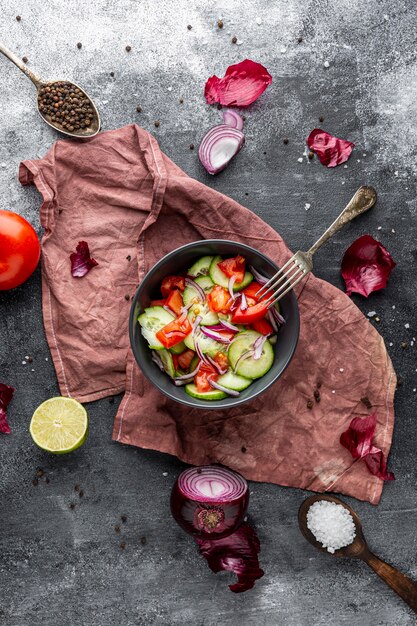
241, 85
209, 502
212, 334
366, 266
233, 119
258, 277
229, 326
191, 283
230, 392
218, 146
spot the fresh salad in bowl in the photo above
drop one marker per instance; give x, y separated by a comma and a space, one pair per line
210, 331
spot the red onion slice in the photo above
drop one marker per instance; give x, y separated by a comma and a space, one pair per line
218, 146
233, 119
230, 392
217, 367
232, 281
200, 354
190, 375
229, 326
271, 320
191, 283
258, 347
212, 334
277, 316
245, 355
195, 325
157, 359
243, 302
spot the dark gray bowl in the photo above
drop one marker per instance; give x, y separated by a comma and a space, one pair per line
179, 261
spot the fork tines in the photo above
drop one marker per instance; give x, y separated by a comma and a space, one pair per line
283, 281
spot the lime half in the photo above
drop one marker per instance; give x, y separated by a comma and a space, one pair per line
59, 425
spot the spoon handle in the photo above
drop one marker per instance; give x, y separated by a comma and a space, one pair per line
12, 57
400, 583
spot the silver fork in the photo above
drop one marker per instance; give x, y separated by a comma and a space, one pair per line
301, 263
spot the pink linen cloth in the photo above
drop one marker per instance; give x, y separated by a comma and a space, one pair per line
132, 204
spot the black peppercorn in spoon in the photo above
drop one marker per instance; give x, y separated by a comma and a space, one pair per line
400, 583
62, 104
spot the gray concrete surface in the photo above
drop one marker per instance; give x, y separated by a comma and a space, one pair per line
64, 567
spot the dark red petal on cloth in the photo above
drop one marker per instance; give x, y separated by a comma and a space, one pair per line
81, 262
366, 266
358, 440
236, 553
242, 84
330, 150
6, 394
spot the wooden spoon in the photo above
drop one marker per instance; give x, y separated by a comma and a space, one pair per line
90, 131
358, 549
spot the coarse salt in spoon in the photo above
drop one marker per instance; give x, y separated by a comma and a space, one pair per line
353, 541
62, 104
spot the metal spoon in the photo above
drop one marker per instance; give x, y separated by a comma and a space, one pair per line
95, 125
358, 549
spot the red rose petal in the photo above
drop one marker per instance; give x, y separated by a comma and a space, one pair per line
241, 85
366, 266
330, 150
236, 553
6, 394
358, 440
81, 262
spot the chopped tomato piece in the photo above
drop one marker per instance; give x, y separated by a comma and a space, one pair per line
219, 300
174, 332
233, 267
201, 378
222, 360
251, 290
175, 301
157, 302
184, 359
250, 315
172, 282
263, 327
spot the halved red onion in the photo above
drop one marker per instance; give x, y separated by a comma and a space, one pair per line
230, 392
216, 366
232, 281
218, 146
191, 283
243, 303
209, 501
233, 119
212, 334
258, 277
258, 347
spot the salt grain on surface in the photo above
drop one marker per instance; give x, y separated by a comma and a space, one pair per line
331, 524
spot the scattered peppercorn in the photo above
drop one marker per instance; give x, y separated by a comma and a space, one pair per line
139, 109
181, 100
365, 400
35, 482
234, 39
18, 18
81, 493
117, 529
191, 146
264, 152
129, 258
47, 481
321, 118
243, 449
25, 59
72, 506
220, 23
310, 154
122, 545
143, 540
300, 39
285, 141
189, 27
40, 473
77, 488
244, 118
65, 106
317, 395
79, 45
128, 48
219, 107
309, 404
127, 297
124, 518
157, 123
404, 345
112, 74
30, 359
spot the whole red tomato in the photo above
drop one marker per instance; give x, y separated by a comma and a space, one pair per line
19, 250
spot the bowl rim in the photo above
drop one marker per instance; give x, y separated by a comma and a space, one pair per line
189, 400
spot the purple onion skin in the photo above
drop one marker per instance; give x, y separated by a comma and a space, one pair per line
187, 512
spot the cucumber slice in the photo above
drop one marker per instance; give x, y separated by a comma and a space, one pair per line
200, 267
218, 277
249, 367
215, 394
207, 345
209, 318
167, 362
233, 381
194, 363
151, 321
190, 294
179, 348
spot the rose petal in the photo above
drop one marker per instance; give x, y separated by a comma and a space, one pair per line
81, 262
366, 266
358, 440
6, 394
330, 150
236, 553
241, 85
